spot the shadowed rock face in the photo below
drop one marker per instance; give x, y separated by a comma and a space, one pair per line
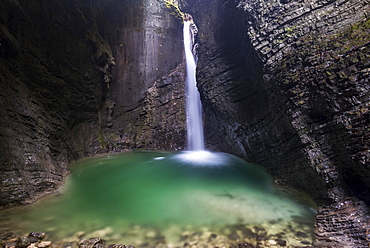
144, 109
48, 84
61, 99
286, 84
283, 83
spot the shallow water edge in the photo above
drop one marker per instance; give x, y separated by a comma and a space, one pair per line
157, 198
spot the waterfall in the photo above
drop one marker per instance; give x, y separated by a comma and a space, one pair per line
193, 105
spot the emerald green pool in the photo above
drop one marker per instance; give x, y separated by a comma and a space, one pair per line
167, 193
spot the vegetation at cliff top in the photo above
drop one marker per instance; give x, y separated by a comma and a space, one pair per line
172, 5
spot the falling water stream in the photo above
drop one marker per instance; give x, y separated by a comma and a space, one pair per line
193, 104
163, 199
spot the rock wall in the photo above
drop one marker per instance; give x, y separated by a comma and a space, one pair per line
286, 84
144, 109
283, 83
80, 78
48, 84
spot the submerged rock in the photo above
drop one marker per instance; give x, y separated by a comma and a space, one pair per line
38, 235
10, 245
33, 239
246, 245
102, 233
91, 243
120, 246
44, 244
22, 242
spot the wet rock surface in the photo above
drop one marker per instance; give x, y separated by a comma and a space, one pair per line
158, 122
50, 82
273, 234
144, 107
64, 95
33, 240
285, 84
336, 221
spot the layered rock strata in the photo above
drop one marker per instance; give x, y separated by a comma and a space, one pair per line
80, 78
145, 104
49, 83
286, 84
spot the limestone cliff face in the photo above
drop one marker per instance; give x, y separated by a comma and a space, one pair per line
286, 84
49, 82
144, 109
79, 78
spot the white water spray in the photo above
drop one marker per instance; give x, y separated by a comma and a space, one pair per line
193, 104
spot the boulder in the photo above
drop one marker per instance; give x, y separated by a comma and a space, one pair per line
91, 243
22, 242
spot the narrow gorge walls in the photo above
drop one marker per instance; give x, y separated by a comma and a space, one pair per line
283, 83
49, 83
79, 78
145, 104
286, 84
307, 49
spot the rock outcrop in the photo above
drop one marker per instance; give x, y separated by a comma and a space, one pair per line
145, 104
64, 95
49, 83
283, 83
286, 84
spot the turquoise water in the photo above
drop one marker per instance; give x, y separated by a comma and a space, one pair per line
162, 191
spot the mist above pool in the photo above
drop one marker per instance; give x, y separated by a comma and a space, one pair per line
160, 190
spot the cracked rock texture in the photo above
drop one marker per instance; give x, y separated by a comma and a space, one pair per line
145, 104
283, 83
80, 78
48, 84
286, 84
